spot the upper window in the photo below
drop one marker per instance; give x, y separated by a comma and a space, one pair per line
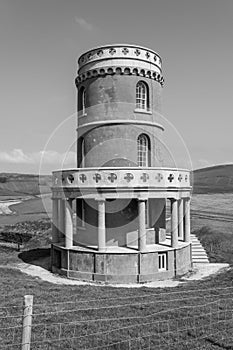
142, 96
143, 145
83, 100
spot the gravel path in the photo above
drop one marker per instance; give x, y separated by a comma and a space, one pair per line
199, 272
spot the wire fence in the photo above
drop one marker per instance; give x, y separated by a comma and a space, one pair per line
194, 319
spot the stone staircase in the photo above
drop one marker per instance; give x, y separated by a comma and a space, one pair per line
199, 255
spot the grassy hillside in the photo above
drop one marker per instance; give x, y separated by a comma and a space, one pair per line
23, 184
213, 179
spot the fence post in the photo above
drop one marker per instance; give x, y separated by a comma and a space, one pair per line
27, 322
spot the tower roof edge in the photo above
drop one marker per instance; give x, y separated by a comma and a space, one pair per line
123, 51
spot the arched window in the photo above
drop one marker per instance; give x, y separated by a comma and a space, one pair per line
142, 96
83, 100
143, 145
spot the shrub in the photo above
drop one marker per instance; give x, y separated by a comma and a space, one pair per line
15, 237
3, 179
31, 234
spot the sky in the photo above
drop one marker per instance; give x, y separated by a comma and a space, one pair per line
41, 40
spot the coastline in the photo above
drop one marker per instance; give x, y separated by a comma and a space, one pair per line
5, 206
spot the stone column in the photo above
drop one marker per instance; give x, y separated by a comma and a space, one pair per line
55, 233
157, 231
141, 224
181, 219
68, 224
174, 223
61, 219
101, 225
187, 220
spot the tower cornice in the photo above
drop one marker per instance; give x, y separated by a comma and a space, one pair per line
120, 69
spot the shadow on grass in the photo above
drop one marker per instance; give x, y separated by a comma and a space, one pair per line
39, 257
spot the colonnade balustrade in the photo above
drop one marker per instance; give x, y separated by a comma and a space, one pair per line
62, 222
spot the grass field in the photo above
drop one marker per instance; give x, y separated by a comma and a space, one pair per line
213, 210
197, 315
193, 316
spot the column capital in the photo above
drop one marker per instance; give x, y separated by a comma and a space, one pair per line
100, 199
172, 199
142, 199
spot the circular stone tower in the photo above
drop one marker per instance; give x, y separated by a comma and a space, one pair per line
109, 214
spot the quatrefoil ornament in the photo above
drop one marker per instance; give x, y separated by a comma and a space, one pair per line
97, 178
159, 177
82, 178
170, 178
144, 177
125, 51
70, 178
128, 177
112, 177
112, 51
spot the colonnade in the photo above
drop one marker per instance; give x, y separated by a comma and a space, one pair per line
62, 219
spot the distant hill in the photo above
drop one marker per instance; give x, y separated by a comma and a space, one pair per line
24, 184
213, 179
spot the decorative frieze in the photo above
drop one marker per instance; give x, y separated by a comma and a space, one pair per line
118, 51
109, 177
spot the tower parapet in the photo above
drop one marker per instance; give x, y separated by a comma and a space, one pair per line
120, 59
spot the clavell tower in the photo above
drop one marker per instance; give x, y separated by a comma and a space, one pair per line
110, 214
